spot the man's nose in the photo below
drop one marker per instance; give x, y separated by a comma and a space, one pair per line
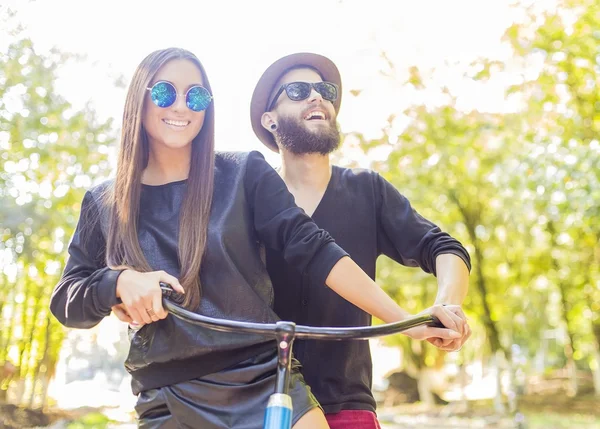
315, 96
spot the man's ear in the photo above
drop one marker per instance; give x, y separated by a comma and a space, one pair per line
268, 121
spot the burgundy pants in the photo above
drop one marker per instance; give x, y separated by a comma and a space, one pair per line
353, 419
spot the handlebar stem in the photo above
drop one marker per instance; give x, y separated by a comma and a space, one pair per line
284, 334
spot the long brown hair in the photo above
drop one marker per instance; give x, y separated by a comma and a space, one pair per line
123, 247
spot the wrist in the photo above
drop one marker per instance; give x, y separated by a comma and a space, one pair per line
120, 280
398, 315
451, 292
448, 300
412, 332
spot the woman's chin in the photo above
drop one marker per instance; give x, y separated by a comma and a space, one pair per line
175, 144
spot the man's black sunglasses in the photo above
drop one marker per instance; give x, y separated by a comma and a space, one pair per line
297, 91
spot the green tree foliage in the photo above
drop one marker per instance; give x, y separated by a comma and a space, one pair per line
49, 155
520, 189
563, 120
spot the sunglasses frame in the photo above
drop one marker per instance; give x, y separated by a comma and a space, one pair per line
177, 95
312, 86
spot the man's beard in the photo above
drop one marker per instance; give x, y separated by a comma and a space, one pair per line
296, 138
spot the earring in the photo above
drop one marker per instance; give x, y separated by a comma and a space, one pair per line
273, 127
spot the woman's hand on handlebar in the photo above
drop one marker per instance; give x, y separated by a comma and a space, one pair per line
122, 314
451, 337
142, 297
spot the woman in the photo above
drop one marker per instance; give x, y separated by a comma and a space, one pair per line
178, 213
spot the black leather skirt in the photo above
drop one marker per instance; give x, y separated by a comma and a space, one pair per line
233, 398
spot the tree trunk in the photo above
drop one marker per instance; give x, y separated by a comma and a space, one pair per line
22, 344
38, 373
31, 339
490, 326
44, 393
569, 345
590, 297
425, 388
7, 332
2, 301
596, 362
19, 390
596, 371
471, 222
498, 365
565, 307
464, 401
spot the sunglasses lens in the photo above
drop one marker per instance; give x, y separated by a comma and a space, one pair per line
298, 90
163, 94
198, 98
327, 90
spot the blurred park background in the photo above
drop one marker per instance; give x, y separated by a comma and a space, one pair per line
485, 114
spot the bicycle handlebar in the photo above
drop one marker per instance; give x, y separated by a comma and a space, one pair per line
301, 331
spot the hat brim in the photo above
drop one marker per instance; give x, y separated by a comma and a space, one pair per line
266, 84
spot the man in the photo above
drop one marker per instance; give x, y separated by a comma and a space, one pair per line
293, 111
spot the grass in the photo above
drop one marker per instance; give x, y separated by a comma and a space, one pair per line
562, 421
90, 421
540, 411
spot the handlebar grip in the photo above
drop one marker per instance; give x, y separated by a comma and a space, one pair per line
170, 294
435, 323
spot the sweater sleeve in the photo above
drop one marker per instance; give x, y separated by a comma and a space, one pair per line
283, 226
407, 237
87, 288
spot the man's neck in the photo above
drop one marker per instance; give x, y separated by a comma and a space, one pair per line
305, 172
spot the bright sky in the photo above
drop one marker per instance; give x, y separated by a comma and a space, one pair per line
237, 40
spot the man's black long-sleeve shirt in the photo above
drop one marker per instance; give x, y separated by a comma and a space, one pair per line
367, 217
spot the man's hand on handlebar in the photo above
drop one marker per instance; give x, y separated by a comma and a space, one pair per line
449, 339
455, 344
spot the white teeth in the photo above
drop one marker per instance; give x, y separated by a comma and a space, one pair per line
176, 123
315, 114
